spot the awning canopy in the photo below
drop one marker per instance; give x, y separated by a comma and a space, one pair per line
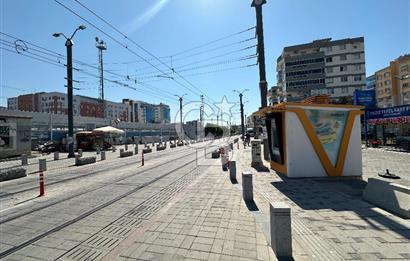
108, 130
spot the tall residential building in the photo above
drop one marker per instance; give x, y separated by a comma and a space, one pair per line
323, 66
148, 113
393, 83
371, 82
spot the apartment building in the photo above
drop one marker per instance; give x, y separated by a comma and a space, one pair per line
393, 83
336, 68
148, 113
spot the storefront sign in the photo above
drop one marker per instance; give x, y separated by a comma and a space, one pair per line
392, 112
365, 98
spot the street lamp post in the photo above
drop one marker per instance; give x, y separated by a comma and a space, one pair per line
69, 44
241, 103
180, 109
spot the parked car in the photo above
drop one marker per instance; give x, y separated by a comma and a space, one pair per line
48, 147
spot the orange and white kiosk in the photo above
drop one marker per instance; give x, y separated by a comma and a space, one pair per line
314, 139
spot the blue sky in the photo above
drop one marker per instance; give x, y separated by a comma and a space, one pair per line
166, 27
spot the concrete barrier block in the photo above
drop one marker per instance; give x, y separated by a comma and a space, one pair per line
80, 152
83, 161
232, 170
147, 150
126, 154
173, 145
24, 159
102, 155
56, 155
12, 174
215, 154
247, 186
390, 196
42, 165
281, 230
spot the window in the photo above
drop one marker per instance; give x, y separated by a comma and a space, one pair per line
329, 69
387, 82
343, 68
358, 67
356, 56
330, 91
343, 58
404, 68
357, 77
379, 77
329, 49
344, 79
354, 46
342, 47
329, 59
386, 74
345, 90
329, 80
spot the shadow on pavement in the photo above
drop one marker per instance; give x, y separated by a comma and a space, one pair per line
338, 195
251, 205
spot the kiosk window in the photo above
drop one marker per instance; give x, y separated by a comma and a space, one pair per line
4, 136
276, 138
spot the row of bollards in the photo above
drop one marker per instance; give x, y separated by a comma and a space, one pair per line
279, 212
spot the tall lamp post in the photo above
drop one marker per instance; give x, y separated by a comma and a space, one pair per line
69, 44
180, 110
241, 104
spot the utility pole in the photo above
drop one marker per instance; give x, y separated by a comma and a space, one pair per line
101, 46
263, 85
180, 111
201, 111
69, 44
242, 119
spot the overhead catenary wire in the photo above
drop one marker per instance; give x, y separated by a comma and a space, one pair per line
120, 43
58, 55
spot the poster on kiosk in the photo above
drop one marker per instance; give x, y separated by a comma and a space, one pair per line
314, 140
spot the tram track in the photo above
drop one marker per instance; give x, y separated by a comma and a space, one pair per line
92, 190
111, 166
93, 210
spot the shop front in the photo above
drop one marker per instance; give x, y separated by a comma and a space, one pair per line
389, 127
314, 140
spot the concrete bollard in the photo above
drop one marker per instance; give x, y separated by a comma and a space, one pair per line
24, 159
136, 149
232, 170
113, 148
121, 151
281, 230
126, 146
77, 157
102, 155
247, 186
98, 150
56, 155
80, 152
42, 165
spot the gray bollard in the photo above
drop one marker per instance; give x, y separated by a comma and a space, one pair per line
24, 159
247, 186
281, 229
136, 149
42, 165
126, 146
232, 170
77, 157
98, 150
56, 155
80, 152
113, 148
121, 151
102, 155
